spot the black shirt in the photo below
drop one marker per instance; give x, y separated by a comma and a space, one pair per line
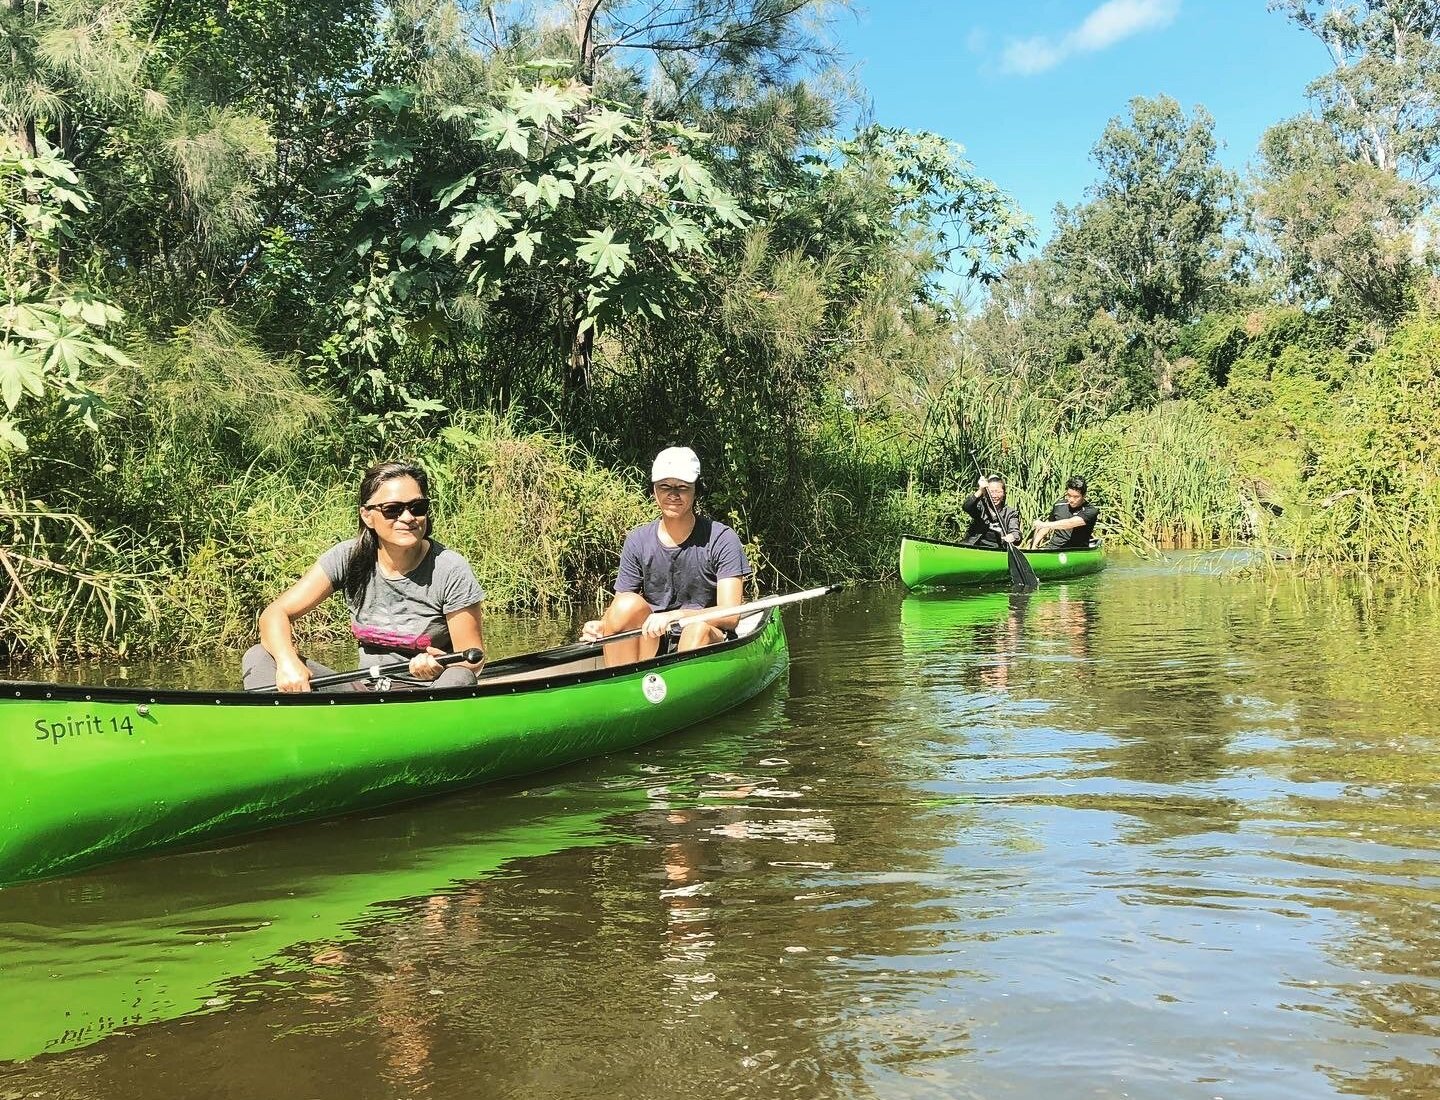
980, 533
1075, 538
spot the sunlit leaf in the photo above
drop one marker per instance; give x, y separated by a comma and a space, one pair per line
524, 246
547, 189
605, 255
394, 100
678, 234
477, 222
541, 103
507, 131
693, 178
625, 174
604, 127
11, 437
449, 193
20, 373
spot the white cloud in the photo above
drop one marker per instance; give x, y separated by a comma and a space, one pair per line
1112, 22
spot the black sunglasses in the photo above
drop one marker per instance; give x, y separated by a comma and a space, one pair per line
394, 509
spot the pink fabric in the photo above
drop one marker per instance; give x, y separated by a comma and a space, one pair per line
374, 637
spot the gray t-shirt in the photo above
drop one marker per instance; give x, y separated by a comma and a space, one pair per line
672, 578
403, 616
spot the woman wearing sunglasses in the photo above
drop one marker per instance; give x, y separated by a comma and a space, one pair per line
681, 563
410, 597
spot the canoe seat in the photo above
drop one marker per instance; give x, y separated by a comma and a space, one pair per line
748, 623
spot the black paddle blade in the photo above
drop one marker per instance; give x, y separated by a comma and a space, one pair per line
1022, 573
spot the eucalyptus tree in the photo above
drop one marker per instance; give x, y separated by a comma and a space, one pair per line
1342, 195
1381, 99
1340, 232
1149, 247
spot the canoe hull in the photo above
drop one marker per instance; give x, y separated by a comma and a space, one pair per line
928, 563
91, 775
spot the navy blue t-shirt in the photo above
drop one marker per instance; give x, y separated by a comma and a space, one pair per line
684, 576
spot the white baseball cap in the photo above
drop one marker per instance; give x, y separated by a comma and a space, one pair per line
681, 463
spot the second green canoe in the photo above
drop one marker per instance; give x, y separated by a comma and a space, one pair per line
928, 563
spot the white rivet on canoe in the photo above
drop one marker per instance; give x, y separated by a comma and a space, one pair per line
142, 710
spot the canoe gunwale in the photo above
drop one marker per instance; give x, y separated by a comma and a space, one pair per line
1038, 551
36, 690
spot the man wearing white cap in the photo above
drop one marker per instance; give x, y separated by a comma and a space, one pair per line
681, 563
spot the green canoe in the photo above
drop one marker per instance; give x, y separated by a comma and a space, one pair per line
89, 774
926, 563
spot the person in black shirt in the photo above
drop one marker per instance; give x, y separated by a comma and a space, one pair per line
1071, 525
992, 523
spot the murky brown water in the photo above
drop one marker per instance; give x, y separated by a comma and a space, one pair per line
1151, 834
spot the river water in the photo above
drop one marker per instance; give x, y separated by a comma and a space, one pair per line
1159, 833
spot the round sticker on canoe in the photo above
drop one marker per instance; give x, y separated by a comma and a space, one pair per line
1062, 559
654, 687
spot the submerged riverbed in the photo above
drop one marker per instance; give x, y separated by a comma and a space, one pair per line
1154, 833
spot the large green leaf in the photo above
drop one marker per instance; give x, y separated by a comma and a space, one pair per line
604, 127
20, 373
392, 152
425, 239
603, 252
507, 131
726, 209
69, 347
73, 198
542, 103
524, 246
373, 193
547, 188
394, 100
678, 233
478, 221
10, 436
452, 191
693, 178
625, 174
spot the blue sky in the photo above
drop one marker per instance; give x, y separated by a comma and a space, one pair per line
1026, 86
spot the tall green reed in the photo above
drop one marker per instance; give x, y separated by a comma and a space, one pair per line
1160, 476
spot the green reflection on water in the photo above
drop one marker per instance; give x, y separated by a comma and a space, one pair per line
157, 939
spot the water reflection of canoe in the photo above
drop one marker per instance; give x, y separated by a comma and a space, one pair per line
941, 618
120, 947
89, 774
926, 562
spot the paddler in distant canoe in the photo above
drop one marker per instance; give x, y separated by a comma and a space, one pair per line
410, 596
992, 521
681, 563
1071, 525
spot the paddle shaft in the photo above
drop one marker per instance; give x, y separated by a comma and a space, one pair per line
1022, 573
470, 656
519, 662
721, 613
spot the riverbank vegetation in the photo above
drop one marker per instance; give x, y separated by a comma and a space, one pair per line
250, 250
